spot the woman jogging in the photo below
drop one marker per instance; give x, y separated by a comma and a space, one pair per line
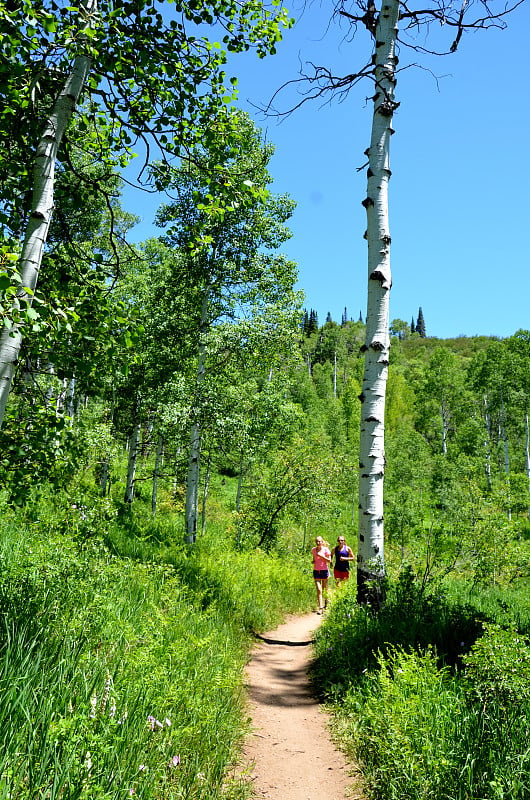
343, 556
321, 561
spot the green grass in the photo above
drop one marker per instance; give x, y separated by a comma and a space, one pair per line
121, 653
432, 695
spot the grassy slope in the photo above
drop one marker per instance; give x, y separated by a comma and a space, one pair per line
121, 653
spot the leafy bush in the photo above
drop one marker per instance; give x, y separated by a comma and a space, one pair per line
422, 729
353, 635
406, 725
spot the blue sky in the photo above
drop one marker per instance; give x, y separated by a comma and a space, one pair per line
460, 187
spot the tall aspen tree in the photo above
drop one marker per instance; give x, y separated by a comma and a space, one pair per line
370, 554
42, 205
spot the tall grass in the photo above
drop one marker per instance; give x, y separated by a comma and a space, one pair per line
121, 654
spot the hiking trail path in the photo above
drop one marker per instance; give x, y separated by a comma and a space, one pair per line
289, 751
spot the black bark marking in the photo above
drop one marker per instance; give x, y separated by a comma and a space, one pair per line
377, 275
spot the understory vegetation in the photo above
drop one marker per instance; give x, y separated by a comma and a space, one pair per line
432, 694
121, 673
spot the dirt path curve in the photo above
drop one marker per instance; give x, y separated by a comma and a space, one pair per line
290, 750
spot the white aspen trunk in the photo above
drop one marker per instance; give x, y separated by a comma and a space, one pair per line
133, 445
205, 495
192, 485
105, 476
147, 436
105, 464
70, 399
370, 566
156, 471
239, 485
527, 452
51, 384
61, 397
444, 412
487, 442
41, 210
506, 451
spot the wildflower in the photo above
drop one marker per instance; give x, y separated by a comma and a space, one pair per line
88, 762
168, 722
142, 768
131, 792
175, 761
93, 706
112, 710
153, 722
106, 692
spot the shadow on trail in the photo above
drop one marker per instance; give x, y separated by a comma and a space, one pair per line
281, 642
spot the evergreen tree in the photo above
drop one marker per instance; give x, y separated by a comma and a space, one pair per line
312, 325
412, 326
328, 318
420, 324
360, 316
345, 316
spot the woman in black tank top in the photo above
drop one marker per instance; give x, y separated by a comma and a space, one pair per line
343, 556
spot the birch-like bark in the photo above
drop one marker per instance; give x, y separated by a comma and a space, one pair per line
104, 481
156, 472
487, 442
70, 399
239, 483
504, 436
133, 446
527, 451
41, 210
205, 490
371, 567
192, 485
445, 414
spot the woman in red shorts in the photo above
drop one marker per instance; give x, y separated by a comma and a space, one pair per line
343, 556
321, 562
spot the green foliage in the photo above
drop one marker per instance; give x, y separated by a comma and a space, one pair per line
408, 727
293, 482
410, 618
498, 669
431, 695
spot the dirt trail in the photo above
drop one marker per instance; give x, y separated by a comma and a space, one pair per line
290, 750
